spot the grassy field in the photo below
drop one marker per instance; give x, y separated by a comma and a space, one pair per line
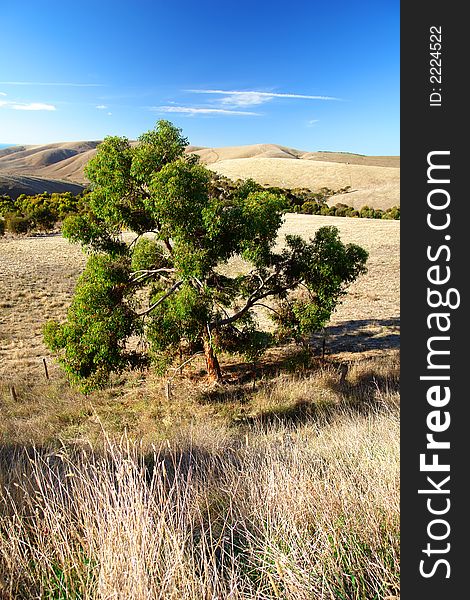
281, 483
38, 275
378, 187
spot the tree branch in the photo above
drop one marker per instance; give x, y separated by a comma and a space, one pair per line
254, 298
198, 283
173, 288
268, 307
250, 302
143, 273
180, 366
134, 241
169, 247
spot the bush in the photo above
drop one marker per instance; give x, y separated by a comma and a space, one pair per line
6, 205
311, 208
15, 223
392, 213
41, 212
342, 210
366, 212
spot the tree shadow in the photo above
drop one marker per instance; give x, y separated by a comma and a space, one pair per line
360, 335
342, 389
21, 467
295, 415
242, 380
369, 393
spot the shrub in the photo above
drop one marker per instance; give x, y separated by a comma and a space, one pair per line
392, 213
7, 205
311, 207
15, 223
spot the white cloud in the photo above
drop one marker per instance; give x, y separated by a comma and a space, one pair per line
245, 99
257, 97
26, 105
202, 111
2, 94
32, 106
109, 114
312, 122
101, 106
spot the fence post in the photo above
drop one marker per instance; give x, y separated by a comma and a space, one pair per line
45, 368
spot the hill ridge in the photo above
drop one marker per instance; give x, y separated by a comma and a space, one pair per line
374, 180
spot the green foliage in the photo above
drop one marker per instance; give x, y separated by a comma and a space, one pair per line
310, 207
179, 318
262, 217
157, 148
92, 233
7, 205
16, 223
92, 341
41, 212
392, 213
148, 254
324, 266
167, 286
342, 210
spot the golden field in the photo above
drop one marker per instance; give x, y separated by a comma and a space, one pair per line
281, 483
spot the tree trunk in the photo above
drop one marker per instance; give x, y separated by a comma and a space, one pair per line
213, 368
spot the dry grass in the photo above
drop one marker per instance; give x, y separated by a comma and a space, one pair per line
378, 187
288, 488
283, 389
282, 483
354, 159
294, 512
37, 279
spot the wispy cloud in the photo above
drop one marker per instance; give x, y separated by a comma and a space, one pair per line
245, 99
2, 94
252, 97
312, 122
26, 106
101, 106
54, 83
189, 110
33, 106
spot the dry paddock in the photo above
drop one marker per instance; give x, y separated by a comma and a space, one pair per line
38, 275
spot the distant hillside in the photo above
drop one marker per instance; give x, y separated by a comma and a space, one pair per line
15, 185
51, 161
374, 180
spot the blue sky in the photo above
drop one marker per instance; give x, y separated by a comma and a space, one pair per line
311, 75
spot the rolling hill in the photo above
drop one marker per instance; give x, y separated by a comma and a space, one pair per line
374, 180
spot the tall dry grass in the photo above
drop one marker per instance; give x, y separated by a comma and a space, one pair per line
294, 512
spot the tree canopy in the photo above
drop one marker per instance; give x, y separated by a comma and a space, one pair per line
165, 290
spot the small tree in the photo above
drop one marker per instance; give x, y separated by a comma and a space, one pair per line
167, 286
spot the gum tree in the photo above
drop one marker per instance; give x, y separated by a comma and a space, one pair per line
162, 290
